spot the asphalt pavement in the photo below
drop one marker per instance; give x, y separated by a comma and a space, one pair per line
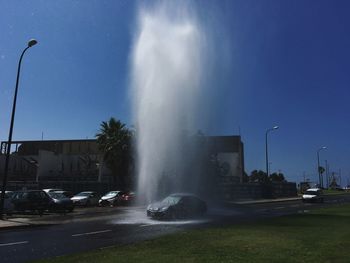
33, 237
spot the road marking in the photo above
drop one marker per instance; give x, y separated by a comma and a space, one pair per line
14, 243
91, 233
144, 225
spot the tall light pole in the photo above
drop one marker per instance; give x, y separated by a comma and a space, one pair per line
318, 164
266, 149
31, 43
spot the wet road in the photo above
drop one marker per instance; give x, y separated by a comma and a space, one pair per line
128, 225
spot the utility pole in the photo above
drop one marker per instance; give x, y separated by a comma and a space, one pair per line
31, 43
266, 149
327, 175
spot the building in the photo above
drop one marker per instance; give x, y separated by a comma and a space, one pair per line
77, 164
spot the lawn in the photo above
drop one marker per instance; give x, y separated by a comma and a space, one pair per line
335, 192
318, 236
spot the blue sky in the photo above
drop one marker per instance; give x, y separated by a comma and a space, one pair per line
285, 63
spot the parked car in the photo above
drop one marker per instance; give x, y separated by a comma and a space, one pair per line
67, 194
177, 206
127, 198
87, 198
313, 195
60, 203
51, 190
32, 200
111, 198
8, 205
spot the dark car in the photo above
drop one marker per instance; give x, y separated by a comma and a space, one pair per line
67, 194
111, 198
60, 203
177, 206
32, 200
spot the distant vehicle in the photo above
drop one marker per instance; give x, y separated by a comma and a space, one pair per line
60, 203
51, 190
177, 206
87, 198
313, 195
127, 198
31, 200
8, 205
111, 198
67, 194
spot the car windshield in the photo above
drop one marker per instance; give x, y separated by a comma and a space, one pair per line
112, 193
171, 200
57, 195
84, 194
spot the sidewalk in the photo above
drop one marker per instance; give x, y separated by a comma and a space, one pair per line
10, 223
33, 220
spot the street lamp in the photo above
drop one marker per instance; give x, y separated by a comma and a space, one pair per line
266, 153
31, 43
318, 165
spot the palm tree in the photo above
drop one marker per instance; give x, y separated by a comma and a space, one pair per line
114, 141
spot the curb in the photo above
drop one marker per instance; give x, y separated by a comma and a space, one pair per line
263, 201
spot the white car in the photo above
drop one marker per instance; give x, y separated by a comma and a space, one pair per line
88, 198
313, 195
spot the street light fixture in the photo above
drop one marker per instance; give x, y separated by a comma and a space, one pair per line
31, 43
266, 146
320, 182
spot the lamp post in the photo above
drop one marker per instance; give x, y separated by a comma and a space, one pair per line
318, 164
266, 146
31, 43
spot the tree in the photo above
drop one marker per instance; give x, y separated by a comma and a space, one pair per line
114, 141
276, 177
258, 176
321, 170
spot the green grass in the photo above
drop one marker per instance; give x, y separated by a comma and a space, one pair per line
319, 236
334, 192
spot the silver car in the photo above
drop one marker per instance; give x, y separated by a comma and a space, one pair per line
88, 198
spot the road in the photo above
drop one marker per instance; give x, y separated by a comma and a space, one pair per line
93, 228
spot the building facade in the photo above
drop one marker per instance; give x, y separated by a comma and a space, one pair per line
70, 163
